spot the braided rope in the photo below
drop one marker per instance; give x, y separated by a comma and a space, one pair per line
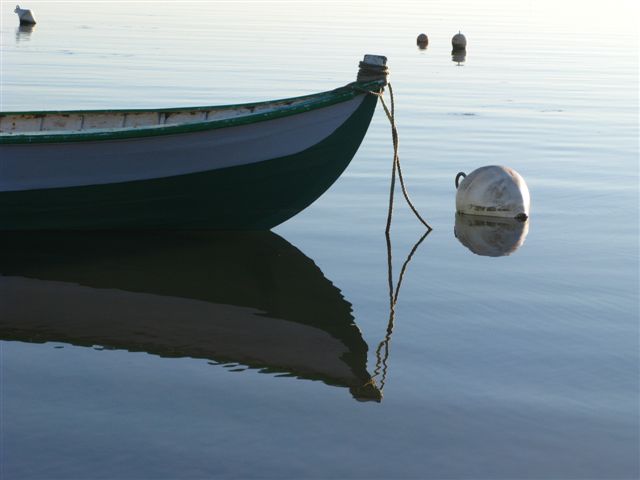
396, 161
382, 351
368, 72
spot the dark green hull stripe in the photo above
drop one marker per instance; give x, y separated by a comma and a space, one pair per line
249, 197
312, 102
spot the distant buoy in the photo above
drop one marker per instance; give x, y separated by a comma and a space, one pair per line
458, 42
422, 41
493, 191
25, 16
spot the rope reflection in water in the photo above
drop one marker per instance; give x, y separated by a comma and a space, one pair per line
382, 352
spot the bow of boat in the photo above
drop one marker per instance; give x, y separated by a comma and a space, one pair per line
249, 166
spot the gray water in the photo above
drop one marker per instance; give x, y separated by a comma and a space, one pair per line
516, 366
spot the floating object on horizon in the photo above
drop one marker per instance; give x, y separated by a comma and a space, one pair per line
493, 191
459, 42
490, 236
25, 16
236, 167
422, 41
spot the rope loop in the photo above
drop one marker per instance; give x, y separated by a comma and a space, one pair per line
368, 72
396, 160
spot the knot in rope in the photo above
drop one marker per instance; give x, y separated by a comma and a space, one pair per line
369, 72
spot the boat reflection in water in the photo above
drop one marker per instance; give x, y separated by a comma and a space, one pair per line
247, 298
490, 236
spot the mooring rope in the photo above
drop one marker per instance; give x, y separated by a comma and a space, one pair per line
396, 159
370, 72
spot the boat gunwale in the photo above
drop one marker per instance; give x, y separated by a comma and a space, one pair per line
306, 103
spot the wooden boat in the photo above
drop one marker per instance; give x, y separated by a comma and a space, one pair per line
250, 299
249, 166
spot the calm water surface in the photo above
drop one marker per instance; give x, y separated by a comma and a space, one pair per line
199, 356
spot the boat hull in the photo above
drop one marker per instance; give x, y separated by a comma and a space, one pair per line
253, 195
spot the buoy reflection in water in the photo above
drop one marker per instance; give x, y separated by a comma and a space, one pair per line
459, 56
23, 32
490, 236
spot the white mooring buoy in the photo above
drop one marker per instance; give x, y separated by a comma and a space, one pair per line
25, 16
493, 191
